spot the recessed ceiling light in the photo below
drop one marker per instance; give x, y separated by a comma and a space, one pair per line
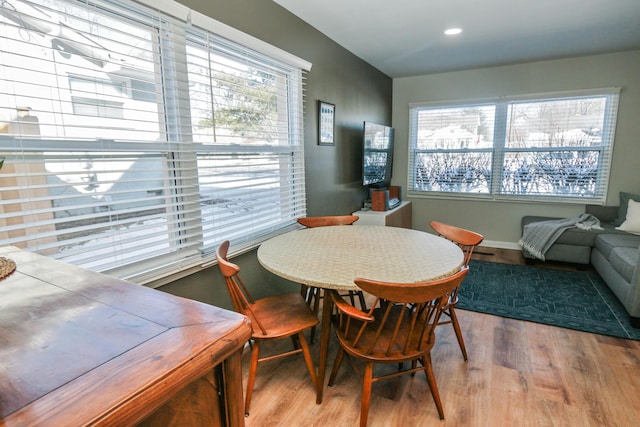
453, 31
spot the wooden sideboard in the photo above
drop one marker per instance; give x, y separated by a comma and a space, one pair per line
81, 348
400, 216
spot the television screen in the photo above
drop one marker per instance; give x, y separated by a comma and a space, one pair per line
377, 159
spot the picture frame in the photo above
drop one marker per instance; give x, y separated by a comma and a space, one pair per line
326, 123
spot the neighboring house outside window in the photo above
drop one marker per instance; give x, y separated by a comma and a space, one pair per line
540, 147
135, 142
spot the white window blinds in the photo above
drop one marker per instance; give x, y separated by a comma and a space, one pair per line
135, 142
547, 147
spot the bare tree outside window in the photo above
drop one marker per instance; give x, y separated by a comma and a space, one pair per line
553, 147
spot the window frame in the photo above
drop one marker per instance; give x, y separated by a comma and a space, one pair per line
498, 150
179, 151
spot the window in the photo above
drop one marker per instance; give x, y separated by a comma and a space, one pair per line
84, 103
135, 142
555, 147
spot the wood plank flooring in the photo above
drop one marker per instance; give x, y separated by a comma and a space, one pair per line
518, 374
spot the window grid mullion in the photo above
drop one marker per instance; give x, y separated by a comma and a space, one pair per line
499, 138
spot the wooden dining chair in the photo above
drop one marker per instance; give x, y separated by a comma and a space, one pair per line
311, 294
323, 221
467, 240
399, 327
274, 317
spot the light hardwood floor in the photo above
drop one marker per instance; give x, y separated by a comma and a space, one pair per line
518, 374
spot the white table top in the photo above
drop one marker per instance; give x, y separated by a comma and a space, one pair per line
332, 257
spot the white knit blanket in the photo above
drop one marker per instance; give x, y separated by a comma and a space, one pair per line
537, 237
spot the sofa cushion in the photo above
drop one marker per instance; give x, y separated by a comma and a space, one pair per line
578, 237
632, 223
567, 253
607, 242
624, 204
624, 260
603, 213
573, 236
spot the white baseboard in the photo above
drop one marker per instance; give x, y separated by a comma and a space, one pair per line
500, 245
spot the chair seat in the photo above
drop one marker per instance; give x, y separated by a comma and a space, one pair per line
380, 353
282, 315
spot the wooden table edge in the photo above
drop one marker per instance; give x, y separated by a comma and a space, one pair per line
172, 372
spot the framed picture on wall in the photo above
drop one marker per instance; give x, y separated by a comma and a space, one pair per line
326, 123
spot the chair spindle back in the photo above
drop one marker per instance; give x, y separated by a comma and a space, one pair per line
401, 322
324, 221
240, 295
466, 239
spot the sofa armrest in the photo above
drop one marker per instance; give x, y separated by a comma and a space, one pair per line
632, 302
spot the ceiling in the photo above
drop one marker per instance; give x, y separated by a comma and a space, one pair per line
406, 37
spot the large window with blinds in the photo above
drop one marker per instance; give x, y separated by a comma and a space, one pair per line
135, 141
541, 147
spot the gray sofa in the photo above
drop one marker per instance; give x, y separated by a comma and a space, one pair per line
614, 254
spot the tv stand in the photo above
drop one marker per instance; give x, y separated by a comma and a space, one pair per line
400, 216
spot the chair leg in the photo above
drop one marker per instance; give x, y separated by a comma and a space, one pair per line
307, 359
253, 368
363, 303
316, 309
309, 294
351, 299
295, 341
431, 380
336, 365
456, 327
316, 299
366, 394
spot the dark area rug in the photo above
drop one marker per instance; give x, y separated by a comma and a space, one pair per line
570, 299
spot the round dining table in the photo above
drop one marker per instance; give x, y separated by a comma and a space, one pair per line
332, 257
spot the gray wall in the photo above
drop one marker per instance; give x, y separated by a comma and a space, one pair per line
499, 222
333, 173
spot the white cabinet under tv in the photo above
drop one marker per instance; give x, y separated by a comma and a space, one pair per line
400, 216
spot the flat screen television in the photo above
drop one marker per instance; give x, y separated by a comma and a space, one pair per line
377, 155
